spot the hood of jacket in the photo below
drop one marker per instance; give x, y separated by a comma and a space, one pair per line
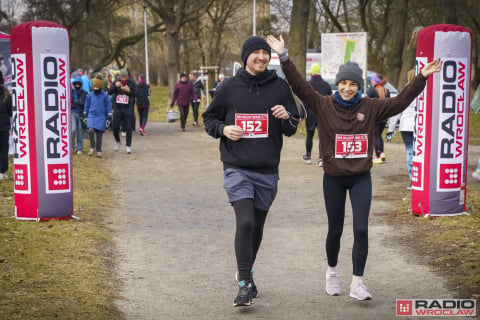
256, 81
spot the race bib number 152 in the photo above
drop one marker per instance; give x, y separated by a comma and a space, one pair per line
254, 125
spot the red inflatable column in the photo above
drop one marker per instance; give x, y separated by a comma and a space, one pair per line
42, 120
441, 128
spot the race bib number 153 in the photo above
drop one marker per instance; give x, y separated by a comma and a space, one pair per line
254, 125
351, 146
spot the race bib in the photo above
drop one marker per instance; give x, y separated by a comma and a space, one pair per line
123, 99
254, 125
351, 146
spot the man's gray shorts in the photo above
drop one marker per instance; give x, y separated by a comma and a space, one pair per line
243, 184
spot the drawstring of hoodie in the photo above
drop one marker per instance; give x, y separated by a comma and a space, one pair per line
251, 86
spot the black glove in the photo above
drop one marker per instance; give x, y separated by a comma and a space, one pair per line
108, 123
84, 120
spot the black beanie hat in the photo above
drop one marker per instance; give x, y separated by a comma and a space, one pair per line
251, 44
350, 71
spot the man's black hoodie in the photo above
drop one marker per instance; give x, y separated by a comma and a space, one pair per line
251, 95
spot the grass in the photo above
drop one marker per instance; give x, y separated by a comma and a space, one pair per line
63, 268
60, 269
450, 245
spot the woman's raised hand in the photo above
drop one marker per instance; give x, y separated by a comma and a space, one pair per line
277, 45
433, 66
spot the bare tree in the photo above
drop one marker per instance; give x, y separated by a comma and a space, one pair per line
397, 40
174, 15
282, 11
449, 11
332, 16
212, 30
469, 14
9, 14
314, 27
408, 59
298, 36
96, 38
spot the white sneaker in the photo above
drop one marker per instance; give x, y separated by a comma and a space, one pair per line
3, 176
476, 175
128, 150
91, 151
99, 154
333, 284
359, 291
79, 152
307, 159
117, 146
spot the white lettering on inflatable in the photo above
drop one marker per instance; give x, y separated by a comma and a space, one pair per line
420, 136
55, 89
21, 141
452, 117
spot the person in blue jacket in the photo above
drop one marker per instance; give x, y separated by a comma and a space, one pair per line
78, 103
98, 112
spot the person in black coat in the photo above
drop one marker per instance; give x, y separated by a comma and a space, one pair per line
143, 103
250, 113
123, 92
323, 88
5, 115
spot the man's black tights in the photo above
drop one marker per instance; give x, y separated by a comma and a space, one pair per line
248, 236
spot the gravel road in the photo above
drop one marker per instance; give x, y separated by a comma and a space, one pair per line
173, 231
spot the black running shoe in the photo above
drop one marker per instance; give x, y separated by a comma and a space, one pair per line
254, 290
254, 287
244, 297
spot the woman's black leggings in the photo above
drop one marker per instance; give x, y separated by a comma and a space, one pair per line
335, 193
248, 235
143, 116
309, 141
309, 144
379, 146
195, 105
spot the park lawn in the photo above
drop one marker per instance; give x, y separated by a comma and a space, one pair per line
60, 269
63, 268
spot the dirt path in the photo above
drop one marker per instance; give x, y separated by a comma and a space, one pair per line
174, 236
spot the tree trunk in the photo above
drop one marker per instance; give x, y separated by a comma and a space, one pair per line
298, 36
313, 28
394, 60
449, 11
173, 44
408, 59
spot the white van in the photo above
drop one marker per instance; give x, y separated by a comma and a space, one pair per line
312, 57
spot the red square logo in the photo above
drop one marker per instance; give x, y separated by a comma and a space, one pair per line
58, 177
417, 175
20, 172
450, 176
404, 307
